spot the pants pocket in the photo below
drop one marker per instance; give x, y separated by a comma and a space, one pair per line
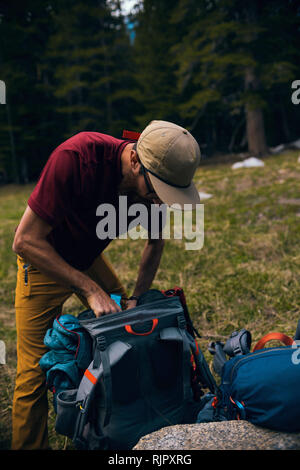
37, 290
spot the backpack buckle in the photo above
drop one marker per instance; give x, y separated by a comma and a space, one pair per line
101, 343
239, 343
100, 346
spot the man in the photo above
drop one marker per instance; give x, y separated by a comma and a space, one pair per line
58, 250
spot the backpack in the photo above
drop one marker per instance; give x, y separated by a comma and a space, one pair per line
146, 372
261, 386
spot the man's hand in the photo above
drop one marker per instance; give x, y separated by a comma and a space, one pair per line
130, 304
101, 303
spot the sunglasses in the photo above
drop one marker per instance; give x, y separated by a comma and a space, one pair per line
146, 179
147, 182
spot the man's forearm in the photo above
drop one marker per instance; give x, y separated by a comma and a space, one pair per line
31, 243
148, 266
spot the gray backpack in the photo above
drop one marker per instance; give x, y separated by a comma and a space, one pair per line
143, 376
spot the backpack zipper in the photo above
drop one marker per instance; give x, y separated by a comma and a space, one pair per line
26, 274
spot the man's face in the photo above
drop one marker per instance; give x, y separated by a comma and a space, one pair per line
137, 182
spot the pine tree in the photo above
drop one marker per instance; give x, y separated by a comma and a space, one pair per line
67, 68
155, 81
88, 52
25, 121
225, 64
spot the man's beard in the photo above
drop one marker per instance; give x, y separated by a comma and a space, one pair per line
124, 187
133, 197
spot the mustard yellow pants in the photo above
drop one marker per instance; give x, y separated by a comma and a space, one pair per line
38, 301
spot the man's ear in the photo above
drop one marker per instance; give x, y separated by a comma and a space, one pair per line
134, 161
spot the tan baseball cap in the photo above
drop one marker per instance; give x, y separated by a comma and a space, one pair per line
171, 155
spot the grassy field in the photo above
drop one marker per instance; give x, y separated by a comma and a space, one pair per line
246, 275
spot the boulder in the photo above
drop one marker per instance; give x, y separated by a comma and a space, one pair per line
224, 435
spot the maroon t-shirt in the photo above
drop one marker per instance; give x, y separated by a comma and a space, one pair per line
83, 172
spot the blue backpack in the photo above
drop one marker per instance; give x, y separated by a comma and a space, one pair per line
261, 386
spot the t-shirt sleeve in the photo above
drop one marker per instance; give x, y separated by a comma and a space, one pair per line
57, 189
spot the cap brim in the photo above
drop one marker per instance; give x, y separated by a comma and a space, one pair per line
173, 196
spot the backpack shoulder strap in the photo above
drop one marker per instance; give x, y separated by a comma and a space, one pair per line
96, 370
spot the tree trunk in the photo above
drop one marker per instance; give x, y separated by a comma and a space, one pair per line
255, 132
256, 137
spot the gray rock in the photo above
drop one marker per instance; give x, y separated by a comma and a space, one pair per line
224, 435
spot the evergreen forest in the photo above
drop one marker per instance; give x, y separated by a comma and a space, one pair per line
223, 69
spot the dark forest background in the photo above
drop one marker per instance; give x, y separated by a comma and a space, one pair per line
221, 68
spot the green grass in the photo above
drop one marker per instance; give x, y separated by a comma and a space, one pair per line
245, 276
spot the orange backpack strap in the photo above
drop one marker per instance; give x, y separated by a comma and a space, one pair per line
287, 340
131, 135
